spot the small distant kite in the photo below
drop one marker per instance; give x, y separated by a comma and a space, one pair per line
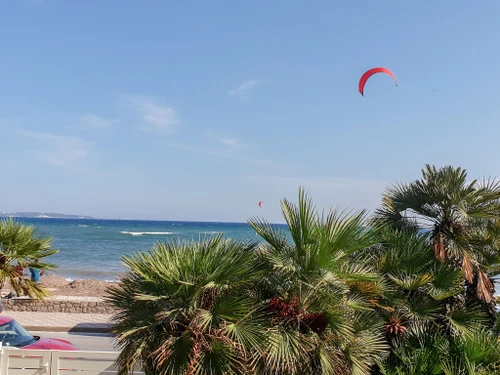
260, 204
369, 73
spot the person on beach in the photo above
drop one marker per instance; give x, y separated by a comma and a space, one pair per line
36, 273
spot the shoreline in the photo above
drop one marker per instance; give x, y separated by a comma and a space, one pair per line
109, 277
61, 288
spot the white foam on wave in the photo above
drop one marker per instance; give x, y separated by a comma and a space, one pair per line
146, 233
83, 225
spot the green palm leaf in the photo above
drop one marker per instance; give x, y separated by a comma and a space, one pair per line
21, 245
187, 308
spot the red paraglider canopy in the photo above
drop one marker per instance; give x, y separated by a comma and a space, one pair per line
369, 73
260, 204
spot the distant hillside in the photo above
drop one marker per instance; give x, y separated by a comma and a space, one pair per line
42, 215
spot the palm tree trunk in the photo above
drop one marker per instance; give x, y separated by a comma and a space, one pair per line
439, 248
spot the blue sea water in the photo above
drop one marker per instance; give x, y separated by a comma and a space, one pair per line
93, 248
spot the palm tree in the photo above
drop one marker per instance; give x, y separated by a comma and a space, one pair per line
458, 213
431, 353
317, 324
427, 334
20, 247
187, 309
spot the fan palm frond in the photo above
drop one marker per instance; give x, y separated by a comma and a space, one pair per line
187, 308
22, 246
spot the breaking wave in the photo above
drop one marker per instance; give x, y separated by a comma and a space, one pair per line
146, 233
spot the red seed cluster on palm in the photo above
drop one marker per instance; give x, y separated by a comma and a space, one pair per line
317, 322
282, 310
394, 327
457, 226
207, 299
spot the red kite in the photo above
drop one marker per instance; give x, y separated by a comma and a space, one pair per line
369, 73
260, 204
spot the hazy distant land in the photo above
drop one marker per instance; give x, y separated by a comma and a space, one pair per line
42, 215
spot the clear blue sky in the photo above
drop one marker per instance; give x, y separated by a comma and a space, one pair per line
198, 110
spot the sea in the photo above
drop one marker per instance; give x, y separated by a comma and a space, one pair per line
92, 248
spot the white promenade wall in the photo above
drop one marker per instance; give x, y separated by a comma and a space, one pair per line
57, 362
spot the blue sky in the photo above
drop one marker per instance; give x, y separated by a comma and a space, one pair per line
198, 110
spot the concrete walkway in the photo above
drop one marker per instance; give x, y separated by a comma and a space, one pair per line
61, 322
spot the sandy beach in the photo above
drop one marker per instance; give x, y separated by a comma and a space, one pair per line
85, 289
59, 286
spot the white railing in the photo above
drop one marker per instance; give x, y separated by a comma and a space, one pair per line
55, 362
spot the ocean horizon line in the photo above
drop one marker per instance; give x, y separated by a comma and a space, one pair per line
136, 220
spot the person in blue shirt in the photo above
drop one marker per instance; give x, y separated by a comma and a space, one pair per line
35, 273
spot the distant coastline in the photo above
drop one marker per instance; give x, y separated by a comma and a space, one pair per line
42, 215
